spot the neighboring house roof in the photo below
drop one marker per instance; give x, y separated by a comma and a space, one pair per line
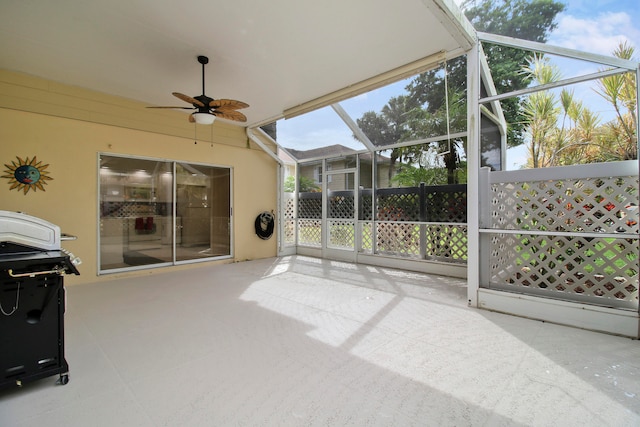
328, 151
335, 150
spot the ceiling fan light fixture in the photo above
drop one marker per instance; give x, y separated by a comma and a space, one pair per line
204, 118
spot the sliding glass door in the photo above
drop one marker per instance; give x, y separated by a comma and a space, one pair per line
202, 211
158, 212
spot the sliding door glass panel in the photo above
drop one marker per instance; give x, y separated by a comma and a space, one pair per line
135, 212
203, 205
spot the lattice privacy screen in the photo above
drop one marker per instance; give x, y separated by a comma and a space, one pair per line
440, 203
424, 222
289, 219
342, 234
608, 205
439, 242
341, 205
310, 232
309, 219
310, 205
594, 256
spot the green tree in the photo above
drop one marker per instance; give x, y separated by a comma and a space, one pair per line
562, 131
305, 184
619, 139
524, 19
411, 176
423, 111
388, 127
541, 112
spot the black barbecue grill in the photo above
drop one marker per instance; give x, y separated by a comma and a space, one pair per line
32, 299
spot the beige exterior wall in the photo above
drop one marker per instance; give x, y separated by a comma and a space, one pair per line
66, 128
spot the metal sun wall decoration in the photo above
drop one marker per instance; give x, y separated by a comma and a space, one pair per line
28, 174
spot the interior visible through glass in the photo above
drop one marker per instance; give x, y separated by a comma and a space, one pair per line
142, 222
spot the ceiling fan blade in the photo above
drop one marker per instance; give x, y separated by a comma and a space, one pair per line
188, 99
180, 108
229, 104
230, 115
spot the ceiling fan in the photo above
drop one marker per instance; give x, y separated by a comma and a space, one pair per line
207, 109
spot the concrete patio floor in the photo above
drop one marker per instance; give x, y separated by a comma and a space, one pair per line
300, 341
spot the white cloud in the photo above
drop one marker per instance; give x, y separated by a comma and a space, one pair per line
600, 34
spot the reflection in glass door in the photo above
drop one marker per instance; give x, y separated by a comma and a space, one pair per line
136, 226
151, 216
202, 211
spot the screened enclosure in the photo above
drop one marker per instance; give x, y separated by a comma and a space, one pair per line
434, 190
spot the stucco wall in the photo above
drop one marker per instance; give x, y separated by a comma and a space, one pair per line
36, 120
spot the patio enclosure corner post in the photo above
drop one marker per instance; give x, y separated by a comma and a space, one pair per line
473, 197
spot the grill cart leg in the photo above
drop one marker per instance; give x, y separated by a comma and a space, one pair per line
64, 379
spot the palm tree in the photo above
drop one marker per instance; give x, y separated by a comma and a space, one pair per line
619, 139
541, 112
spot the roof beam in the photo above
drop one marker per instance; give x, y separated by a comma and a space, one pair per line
397, 74
560, 51
353, 126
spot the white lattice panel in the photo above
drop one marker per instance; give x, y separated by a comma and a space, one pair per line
441, 242
576, 264
289, 223
341, 206
309, 232
607, 204
577, 268
366, 245
290, 206
398, 238
446, 242
342, 234
289, 232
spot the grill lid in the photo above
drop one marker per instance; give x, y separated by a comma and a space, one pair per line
28, 231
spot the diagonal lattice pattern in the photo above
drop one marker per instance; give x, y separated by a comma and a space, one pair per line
130, 209
289, 232
574, 205
342, 234
438, 203
309, 232
600, 270
416, 222
366, 245
289, 219
446, 242
398, 238
365, 210
341, 205
442, 242
401, 205
603, 271
310, 205
446, 206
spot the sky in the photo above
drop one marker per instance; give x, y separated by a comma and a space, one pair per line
593, 26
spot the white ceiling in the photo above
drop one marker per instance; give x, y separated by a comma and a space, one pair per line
273, 54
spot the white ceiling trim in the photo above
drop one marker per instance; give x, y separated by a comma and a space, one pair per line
368, 85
